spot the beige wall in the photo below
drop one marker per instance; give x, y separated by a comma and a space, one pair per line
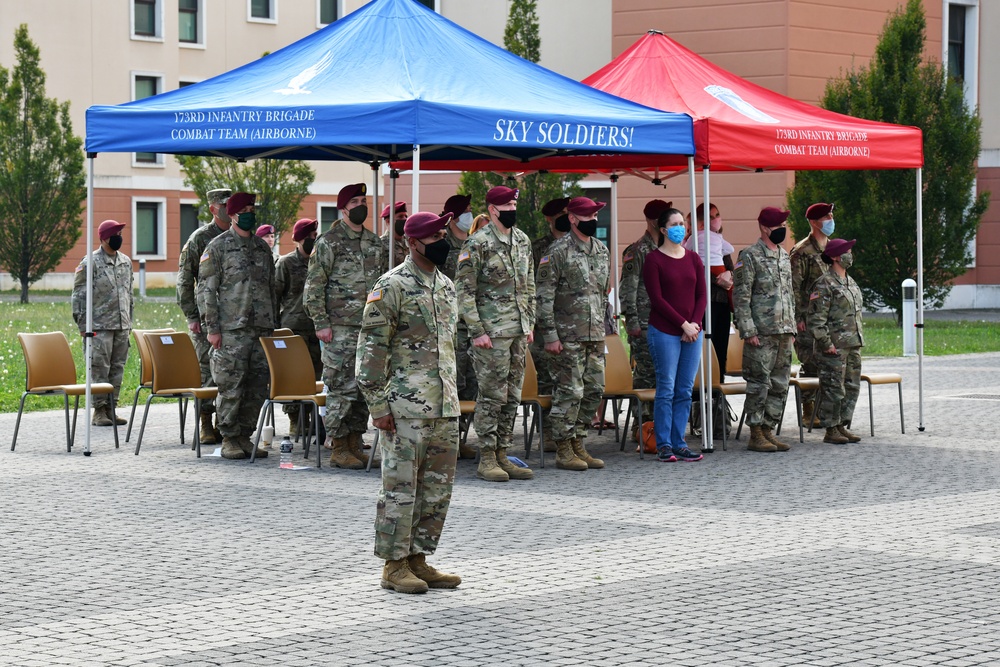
989, 76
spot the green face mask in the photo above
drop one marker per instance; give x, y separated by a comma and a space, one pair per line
846, 260
246, 221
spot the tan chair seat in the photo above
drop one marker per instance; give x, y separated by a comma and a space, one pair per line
201, 393
75, 389
882, 378
319, 399
645, 395
733, 388
319, 386
467, 407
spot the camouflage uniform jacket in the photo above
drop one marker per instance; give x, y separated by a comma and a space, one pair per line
634, 298
573, 284
187, 268
289, 284
540, 247
807, 267
495, 283
406, 349
834, 316
342, 269
762, 292
236, 284
450, 267
399, 253
112, 301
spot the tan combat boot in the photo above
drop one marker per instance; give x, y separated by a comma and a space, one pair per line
357, 449
293, 426
206, 434
121, 421
847, 434
466, 451
758, 443
809, 417
102, 417
834, 437
231, 448
581, 453
434, 578
566, 458
778, 444
342, 457
550, 442
513, 471
489, 469
247, 445
396, 576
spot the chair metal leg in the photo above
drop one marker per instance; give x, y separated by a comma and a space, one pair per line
371, 454
114, 420
182, 411
743, 416
798, 411
725, 421
902, 425
142, 426
541, 434
135, 401
197, 434
260, 424
817, 402
17, 424
69, 438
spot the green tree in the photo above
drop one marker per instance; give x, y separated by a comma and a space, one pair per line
280, 185
521, 38
42, 180
878, 207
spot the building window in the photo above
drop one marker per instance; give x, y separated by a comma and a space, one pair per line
145, 18
189, 221
143, 86
604, 215
429, 4
328, 10
185, 84
149, 228
328, 214
188, 29
263, 10
956, 41
961, 46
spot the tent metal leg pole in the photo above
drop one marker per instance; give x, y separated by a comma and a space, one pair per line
920, 296
615, 278
693, 185
391, 222
88, 352
375, 202
416, 179
708, 433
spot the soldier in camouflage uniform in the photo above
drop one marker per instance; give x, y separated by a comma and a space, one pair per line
573, 285
187, 279
496, 298
405, 366
635, 303
236, 298
344, 265
112, 316
399, 249
289, 284
807, 268
765, 315
834, 320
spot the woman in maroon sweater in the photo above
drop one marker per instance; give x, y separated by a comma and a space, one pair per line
675, 282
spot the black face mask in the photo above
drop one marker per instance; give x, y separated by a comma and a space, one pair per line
308, 244
777, 235
587, 227
562, 223
358, 214
115, 242
437, 252
507, 218
398, 227
826, 260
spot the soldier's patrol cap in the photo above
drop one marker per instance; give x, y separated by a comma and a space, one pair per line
264, 230
238, 201
218, 196
109, 228
501, 195
582, 206
818, 210
654, 207
457, 204
349, 192
400, 208
421, 225
303, 228
837, 247
772, 217
555, 207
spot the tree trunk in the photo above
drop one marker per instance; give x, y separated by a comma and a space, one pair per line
24, 290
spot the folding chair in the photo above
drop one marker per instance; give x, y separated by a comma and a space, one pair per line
50, 370
618, 385
725, 389
145, 371
536, 404
884, 378
176, 374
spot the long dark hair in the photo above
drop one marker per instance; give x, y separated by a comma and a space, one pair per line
661, 222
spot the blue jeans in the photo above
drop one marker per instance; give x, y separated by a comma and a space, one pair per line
676, 364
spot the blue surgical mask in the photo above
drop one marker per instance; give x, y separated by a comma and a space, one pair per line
828, 227
675, 234
464, 222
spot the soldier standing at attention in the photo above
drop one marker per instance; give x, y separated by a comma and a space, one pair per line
835, 323
236, 297
289, 284
496, 298
765, 315
187, 279
635, 303
554, 213
807, 268
395, 229
112, 316
573, 284
344, 265
405, 365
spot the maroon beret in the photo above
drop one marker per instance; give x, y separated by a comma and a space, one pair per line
303, 228
400, 208
457, 204
837, 247
421, 225
654, 207
349, 192
109, 228
264, 230
239, 201
817, 211
581, 206
555, 207
501, 195
772, 217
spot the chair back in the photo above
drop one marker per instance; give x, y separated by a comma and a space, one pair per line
734, 355
282, 333
708, 349
48, 360
145, 362
291, 367
617, 371
175, 363
529, 388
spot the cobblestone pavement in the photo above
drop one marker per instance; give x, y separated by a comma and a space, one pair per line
882, 553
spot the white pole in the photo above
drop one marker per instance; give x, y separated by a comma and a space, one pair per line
920, 295
375, 206
706, 444
707, 414
614, 243
390, 224
415, 206
89, 332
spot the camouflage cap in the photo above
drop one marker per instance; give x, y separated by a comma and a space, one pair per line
218, 196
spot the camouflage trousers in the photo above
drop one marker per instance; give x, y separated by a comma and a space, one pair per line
109, 354
804, 350
839, 385
643, 371
578, 377
465, 369
542, 371
316, 354
418, 472
346, 410
241, 370
204, 351
500, 371
766, 369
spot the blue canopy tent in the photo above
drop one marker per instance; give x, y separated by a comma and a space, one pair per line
427, 87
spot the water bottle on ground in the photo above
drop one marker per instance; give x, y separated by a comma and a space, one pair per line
286, 454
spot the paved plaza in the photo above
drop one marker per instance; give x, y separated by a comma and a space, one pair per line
885, 552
